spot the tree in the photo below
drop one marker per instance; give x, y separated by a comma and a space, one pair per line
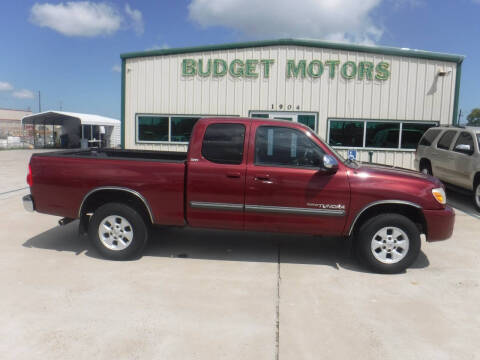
474, 117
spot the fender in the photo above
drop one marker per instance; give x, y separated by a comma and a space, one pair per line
380, 202
118, 188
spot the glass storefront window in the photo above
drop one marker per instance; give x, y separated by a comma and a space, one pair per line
263, 116
308, 120
159, 128
382, 135
367, 133
181, 128
346, 133
412, 133
152, 128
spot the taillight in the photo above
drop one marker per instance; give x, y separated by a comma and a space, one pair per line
29, 176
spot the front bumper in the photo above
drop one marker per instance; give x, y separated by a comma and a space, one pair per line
439, 223
28, 203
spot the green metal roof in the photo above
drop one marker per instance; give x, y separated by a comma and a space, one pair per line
384, 50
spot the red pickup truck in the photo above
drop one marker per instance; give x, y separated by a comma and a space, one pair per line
242, 174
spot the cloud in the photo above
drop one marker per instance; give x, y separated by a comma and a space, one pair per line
340, 20
81, 18
5, 86
23, 94
159, 47
116, 68
136, 19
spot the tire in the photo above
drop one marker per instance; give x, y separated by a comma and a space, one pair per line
388, 243
476, 195
118, 231
426, 167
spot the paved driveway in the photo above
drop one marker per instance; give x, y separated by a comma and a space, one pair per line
200, 294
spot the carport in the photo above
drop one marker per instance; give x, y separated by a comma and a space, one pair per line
60, 129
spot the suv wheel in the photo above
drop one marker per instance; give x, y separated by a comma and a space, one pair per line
426, 168
476, 195
118, 231
388, 243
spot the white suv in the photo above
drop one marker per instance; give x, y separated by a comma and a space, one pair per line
452, 154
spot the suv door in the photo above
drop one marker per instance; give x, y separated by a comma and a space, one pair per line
216, 180
442, 159
464, 161
286, 190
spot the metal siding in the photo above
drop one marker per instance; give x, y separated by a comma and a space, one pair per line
155, 85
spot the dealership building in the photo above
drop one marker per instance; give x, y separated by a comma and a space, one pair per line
375, 100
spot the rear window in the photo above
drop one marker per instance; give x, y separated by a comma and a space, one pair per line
446, 140
223, 143
429, 137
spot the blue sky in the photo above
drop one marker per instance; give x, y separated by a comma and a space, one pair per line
70, 51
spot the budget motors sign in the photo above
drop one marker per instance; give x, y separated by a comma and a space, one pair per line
253, 68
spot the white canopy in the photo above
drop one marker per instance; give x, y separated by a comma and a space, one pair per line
58, 117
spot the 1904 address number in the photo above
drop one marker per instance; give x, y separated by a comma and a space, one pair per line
285, 107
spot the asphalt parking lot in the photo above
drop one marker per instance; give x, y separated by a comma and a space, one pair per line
199, 294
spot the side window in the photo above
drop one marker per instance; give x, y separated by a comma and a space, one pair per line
223, 143
466, 142
446, 140
281, 146
429, 137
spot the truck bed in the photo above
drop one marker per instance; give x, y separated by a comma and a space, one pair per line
63, 179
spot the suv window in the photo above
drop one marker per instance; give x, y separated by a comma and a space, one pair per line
429, 137
465, 139
282, 146
223, 143
446, 140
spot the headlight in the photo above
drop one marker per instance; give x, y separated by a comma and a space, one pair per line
439, 195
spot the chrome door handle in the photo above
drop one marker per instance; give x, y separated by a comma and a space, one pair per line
233, 175
262, 177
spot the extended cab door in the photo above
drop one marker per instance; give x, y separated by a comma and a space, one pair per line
216, 169
286, 188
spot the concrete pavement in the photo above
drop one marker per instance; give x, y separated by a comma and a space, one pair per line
200, 294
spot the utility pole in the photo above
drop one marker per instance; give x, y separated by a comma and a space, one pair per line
39, 102
460, 117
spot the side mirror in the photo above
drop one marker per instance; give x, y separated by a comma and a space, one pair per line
464, 148
330, 164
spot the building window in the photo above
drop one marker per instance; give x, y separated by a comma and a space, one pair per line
412, 133
382, 135
308, 119
163, 128
346, 133
376, 134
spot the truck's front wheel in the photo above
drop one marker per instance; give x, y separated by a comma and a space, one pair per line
118, 231
388, 243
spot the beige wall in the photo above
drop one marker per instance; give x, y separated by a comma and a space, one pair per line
156, 85
11, 122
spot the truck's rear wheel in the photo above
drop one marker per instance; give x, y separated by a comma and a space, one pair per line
118, 231
388, 243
